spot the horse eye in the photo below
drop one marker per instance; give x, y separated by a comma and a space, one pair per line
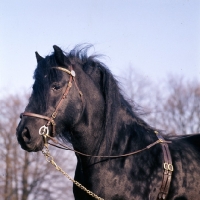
56, 87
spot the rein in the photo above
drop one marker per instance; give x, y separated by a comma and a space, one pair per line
168, 167
65, 147
44, 132
49, 158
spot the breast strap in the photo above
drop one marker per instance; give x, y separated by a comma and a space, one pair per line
167, 169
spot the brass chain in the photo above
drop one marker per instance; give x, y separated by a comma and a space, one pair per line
49, 158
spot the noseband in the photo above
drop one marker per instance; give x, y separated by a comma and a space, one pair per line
44, 130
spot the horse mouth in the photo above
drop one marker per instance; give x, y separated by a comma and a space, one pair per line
32, 147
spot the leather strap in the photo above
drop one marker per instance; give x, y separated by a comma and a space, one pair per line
35, 115
167, 170
167, 161
53, 116
65, 147
50, 120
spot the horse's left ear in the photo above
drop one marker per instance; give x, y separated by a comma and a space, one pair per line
38, 57
60, 57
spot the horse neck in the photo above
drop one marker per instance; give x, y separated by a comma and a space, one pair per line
129, 134
132, 133
85, 134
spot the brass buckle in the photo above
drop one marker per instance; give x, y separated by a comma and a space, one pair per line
54, 115
44, 130
168, 167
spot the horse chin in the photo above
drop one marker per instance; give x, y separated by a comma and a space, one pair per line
34, 146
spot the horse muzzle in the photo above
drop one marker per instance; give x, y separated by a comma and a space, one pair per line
29, 141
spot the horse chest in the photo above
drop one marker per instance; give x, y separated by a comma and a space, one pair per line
115, 181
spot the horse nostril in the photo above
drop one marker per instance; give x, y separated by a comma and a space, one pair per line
26, 135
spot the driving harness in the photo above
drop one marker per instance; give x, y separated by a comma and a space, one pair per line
44, 131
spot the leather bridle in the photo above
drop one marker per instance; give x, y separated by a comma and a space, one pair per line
44, 131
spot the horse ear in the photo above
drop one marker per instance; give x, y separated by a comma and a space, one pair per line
60, 57
38, 57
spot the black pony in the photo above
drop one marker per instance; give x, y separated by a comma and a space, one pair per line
96, 119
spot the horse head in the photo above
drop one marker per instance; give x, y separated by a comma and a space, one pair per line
59, 100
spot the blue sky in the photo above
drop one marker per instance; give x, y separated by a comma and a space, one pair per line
156, 37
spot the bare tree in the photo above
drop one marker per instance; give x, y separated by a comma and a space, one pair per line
173, 106
137, 88
179, 112
23, 175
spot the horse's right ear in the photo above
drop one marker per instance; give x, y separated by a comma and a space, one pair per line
38, 57
59, 55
